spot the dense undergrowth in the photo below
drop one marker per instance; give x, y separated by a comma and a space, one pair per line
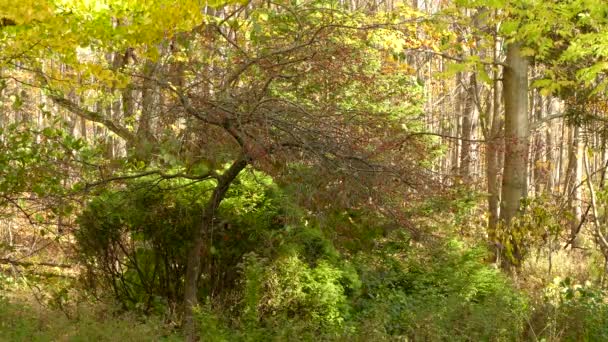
277, 272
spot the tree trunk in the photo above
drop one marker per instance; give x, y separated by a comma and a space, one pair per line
145, 141
494, 153
514, 181
457, 127
560, 160
193, 267
468, 117
550, 153
538, 174
494, 149
492, 175
575, 173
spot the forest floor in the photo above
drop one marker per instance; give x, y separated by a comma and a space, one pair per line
40, 297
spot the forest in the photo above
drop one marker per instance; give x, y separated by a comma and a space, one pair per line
303, 170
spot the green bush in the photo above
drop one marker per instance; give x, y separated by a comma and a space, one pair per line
570, 311
135, 239
314, 294
443, 293
306, 283
307, 290
302, 292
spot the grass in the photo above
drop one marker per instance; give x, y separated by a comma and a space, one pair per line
22, 319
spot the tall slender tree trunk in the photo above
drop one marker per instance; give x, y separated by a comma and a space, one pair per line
574, 176
468, 126
538, 173
560, 160
494, 152
514, 180
550, 153
494, 149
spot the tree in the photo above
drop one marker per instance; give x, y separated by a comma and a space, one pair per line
515, 176
277, 87
286, 98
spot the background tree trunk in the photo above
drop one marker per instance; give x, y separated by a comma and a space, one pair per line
574, 176
514, 181
468, 129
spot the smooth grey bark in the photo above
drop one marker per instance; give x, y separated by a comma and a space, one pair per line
537, 175
515, 178
457, 127
494, 151
550, 153
468, 128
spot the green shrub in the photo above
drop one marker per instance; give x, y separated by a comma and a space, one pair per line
570, 311
315, 294
307, 290
135, 239
211, 328
444, 293
306, 284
